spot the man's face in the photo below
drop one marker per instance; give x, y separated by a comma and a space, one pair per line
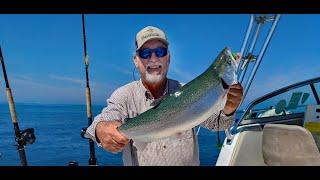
152, 68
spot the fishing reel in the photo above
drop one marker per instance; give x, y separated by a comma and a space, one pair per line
26, 137
73, 163
83, 132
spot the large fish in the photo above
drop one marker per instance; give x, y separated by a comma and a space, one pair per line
194, 103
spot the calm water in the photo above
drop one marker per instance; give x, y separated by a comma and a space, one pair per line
58, 141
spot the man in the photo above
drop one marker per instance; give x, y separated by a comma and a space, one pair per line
152, 59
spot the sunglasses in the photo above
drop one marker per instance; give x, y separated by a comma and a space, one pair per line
147, 53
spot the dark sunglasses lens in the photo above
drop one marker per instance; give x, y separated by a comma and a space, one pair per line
161, 52
145, 53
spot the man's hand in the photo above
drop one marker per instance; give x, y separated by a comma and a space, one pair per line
111, 139
234, 97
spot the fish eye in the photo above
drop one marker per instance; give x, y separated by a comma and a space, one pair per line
229, 61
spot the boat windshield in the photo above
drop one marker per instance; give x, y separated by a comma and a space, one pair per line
286, 101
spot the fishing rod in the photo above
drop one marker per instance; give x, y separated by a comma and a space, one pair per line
92, 158
21, 137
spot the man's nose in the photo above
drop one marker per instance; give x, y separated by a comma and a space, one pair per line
153, 57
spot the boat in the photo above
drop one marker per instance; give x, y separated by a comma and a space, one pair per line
279, 128
274, 129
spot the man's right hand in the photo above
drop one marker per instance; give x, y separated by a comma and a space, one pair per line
110, 138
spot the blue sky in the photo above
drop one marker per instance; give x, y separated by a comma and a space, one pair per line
45, 63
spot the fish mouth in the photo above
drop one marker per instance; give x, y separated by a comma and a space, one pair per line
224, 84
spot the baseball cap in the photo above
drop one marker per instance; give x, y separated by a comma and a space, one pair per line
150, 33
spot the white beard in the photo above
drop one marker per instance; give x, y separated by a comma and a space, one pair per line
153, 78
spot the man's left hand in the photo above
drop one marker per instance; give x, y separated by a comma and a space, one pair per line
234, 97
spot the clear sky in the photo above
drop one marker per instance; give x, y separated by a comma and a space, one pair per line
44, 54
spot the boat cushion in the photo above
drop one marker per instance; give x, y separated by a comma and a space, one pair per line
288, 145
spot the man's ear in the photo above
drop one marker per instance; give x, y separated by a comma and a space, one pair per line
135, 61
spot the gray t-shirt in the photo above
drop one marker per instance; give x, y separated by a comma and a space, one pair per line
181, 149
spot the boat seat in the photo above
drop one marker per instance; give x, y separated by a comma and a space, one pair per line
288, 145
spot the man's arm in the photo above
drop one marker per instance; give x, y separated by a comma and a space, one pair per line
103, 129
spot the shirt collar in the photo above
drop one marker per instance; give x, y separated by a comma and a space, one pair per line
148, 94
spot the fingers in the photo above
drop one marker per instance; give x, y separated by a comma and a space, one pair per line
113, 146
230, 107
234, 97
111, 139
118, 136
236, 90
236, 86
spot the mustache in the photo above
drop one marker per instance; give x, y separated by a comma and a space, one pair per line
154, 65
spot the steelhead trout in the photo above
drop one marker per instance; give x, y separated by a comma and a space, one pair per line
194, 103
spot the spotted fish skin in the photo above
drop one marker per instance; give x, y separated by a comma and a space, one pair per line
194, 103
